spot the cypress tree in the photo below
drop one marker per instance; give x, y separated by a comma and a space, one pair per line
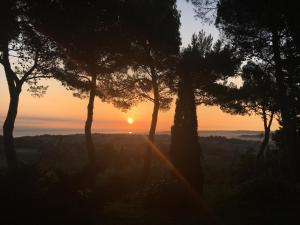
185, 148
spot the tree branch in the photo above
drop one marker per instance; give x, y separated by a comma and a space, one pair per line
10, 74
36, 77
146, 97
271, 119
85, 77
30, 71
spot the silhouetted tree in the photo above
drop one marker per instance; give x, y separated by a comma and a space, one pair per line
211, 66
95, 45
255, 96
205, 9
258, 92
26, 56
154, 26
290, 13
267, 31
262, 30
185, 148
201, 66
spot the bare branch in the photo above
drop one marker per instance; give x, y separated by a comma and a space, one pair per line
10, 74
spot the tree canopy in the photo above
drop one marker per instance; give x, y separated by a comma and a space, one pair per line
27, 56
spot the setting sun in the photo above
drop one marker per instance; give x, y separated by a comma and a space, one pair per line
130, 120
107, 116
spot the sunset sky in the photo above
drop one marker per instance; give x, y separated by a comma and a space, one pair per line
58, 109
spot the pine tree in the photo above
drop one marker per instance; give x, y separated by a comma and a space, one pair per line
185, 148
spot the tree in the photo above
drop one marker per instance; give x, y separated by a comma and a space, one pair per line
263, 30
201, 65
185, 149
26, 56
255, 96
268, 31
259, 79
95, 46
154, 30
205, 9
211, 65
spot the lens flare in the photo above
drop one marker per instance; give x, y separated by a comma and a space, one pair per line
207, 212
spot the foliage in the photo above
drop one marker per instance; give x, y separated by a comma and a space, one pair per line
263, 32
155, 44
209, 65
31, 55
26, 56
205, 9
93, 46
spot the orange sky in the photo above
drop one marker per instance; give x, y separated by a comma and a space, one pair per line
59, 109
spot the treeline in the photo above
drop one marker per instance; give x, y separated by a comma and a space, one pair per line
126, 52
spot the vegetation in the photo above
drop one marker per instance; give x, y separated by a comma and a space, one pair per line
59, 192
265, 33
126, 52
155, 45
26, 56
272, 28
93, 49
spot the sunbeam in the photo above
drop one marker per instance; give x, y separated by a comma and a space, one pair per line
211, 217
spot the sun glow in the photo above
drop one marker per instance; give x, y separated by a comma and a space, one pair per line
130, 120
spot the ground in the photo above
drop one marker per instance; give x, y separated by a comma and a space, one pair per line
56, 187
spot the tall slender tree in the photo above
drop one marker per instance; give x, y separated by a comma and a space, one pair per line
155, 29
94, 43
102, 29
201, 65
185, 148
26, 56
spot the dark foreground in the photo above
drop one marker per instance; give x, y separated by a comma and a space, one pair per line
53, 185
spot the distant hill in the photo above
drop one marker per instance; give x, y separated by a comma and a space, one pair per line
240, 134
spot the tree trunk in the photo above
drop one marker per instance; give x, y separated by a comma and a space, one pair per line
151, 136
88, 124
264, 144
14, 87
267, 130
290, 152
185, 150
8, 128
292, 16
